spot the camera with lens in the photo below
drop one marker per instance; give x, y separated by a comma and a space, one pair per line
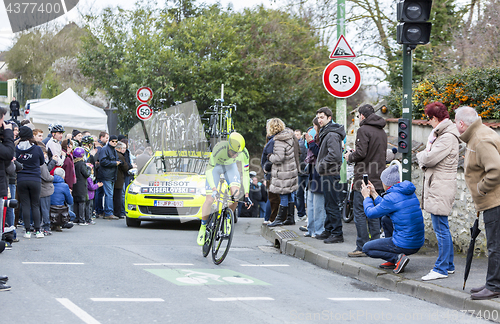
10, 203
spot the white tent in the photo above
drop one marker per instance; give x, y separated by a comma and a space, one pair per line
69, 110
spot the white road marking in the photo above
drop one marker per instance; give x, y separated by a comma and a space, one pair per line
84, 316
163, 264
240, 298
64, 6
264, 265
127, 299
360, 299
63, 263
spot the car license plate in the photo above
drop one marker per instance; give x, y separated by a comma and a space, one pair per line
169, 203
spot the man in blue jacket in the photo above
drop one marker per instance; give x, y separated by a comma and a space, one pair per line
403, 207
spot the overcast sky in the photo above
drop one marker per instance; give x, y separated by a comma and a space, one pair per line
6, 34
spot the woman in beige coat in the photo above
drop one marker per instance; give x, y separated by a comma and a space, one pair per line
439, 161
284, 171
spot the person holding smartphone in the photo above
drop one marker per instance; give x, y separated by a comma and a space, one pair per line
369, 157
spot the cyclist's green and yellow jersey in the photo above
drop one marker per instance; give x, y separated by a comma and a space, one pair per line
220, 157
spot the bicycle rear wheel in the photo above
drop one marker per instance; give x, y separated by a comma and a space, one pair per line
205, 249
347, 211
223, 236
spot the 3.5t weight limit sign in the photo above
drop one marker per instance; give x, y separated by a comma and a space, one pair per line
341, 78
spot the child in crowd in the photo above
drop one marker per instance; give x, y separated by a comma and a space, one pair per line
91, 188
46, 191
80, 195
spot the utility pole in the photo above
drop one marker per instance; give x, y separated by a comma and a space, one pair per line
341, 103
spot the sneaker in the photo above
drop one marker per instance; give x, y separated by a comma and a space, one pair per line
39, 234
111, 217
4, 287
47, 233
401, 264
334, 239
433, 275
266, 222
201, 235
323, 235
15, 240
303, 218
101, 215
451, 271
91, 222
83, 224
303, 228
8, 246
27, 235
307, 235
387, 265
356, 253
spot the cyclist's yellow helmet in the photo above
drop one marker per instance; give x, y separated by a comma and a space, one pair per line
236, 142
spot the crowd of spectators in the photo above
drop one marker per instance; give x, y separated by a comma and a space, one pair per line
61, 181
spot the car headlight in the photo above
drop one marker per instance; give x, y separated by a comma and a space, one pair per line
134, 189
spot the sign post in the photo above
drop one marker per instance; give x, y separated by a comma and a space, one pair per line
144, 112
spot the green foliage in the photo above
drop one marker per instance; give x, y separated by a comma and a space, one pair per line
476, 88
35, 51
269, 62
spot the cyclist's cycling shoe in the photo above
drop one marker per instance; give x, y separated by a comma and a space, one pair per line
201, 235
227, 229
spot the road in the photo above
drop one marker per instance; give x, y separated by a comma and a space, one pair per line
108, 273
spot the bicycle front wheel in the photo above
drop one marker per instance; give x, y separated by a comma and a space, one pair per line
223, 236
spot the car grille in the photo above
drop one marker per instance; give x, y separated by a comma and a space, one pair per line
153, 210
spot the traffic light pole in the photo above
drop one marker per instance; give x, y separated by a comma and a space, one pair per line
407, 106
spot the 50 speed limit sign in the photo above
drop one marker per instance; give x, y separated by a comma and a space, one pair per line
341, 78
144, 112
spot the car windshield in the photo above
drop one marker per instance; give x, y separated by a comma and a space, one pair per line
160, 165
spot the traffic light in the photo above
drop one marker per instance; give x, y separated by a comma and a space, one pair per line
413, 28
403, 135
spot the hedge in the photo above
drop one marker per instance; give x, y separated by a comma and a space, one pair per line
478, 88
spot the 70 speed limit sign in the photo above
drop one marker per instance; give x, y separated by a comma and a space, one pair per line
144, 112
341, 78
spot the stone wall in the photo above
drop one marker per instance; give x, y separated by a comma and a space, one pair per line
461, 218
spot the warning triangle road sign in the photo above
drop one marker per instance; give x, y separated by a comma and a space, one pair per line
342, 49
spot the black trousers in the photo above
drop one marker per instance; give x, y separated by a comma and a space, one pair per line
29, 198
82, 211
117, 202
492, 226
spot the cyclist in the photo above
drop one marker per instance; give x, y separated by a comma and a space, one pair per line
223, 161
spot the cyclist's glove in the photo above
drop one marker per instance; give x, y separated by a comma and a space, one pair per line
248, 201
215, 194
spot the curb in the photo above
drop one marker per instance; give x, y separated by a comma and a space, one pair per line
286, 241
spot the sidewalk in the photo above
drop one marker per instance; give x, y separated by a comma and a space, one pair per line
444, 292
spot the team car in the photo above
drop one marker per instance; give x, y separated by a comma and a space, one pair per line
158, 193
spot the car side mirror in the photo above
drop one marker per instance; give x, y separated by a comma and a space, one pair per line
133, 172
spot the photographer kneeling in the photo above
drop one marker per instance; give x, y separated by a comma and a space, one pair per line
403, 207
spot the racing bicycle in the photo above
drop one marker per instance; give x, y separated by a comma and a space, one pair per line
219, 232
220, 121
